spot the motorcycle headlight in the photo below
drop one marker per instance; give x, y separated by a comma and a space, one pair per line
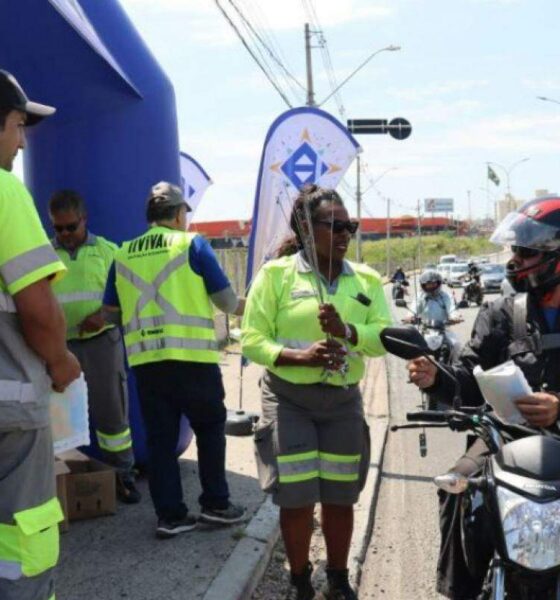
531, 530
434, 341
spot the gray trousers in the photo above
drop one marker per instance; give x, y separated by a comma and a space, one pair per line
26, 481
102, 361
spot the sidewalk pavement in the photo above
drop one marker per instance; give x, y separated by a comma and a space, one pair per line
114, 558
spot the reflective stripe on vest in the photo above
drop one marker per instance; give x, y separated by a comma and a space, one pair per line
174, 343
114, 442
150, 293
16, 391
7, 303
168, 319
25, 263
79, 297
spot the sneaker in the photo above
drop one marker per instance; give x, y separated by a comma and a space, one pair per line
127, 491
227, 516
338, 587
168, 528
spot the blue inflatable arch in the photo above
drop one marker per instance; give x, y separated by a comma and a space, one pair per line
115, 131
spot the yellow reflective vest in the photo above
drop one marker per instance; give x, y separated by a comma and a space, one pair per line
80, 293
166, 311
282, 312
26, 257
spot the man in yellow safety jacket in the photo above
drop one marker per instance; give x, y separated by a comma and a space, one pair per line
96, 343
165, 283
33, 358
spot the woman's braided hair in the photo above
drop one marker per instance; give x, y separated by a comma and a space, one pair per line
313, 196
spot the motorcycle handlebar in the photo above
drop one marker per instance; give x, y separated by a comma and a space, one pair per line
428, 416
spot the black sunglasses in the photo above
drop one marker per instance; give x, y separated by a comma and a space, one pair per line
339, 226
523, 252
70, 228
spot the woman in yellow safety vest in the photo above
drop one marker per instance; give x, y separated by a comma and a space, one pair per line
311, 317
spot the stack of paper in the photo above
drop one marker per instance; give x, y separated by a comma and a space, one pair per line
69, 416
502, 385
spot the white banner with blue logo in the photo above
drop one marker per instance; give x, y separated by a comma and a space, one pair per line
304, 145
194, 182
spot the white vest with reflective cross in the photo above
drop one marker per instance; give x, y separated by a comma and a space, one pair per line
166, 311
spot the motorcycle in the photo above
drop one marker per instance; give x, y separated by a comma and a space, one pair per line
399, 289
510, 511
472, 292
444, 344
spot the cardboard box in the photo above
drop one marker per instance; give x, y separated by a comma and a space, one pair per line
90, 487
60, 471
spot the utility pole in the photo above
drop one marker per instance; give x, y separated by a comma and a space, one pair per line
310, 92
470, 215
419, 223
388, 237
359, 209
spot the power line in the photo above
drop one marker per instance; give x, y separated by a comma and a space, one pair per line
253, 55
269, 50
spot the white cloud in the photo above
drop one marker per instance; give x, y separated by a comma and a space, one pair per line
270, 14
437, 89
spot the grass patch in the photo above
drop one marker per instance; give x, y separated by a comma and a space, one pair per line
415, 252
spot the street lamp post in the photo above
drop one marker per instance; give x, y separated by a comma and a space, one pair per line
391, 48
507, 171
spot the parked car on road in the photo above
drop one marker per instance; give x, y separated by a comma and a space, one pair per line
443, 270
491, 276
447, 258
457, 273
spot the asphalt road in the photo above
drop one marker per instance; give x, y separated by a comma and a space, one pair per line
401, 560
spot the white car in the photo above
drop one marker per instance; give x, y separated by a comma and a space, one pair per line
443, 270
457, 273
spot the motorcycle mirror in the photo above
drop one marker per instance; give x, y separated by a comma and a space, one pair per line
405, 342
452, 483
400, 303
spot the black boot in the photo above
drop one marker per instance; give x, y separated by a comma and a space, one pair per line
302, 584
338, 587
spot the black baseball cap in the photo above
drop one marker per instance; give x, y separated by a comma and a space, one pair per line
166, 194
13, 96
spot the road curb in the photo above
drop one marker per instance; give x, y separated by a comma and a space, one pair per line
377, 419
246, 565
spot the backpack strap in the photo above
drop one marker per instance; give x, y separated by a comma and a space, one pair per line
524, 342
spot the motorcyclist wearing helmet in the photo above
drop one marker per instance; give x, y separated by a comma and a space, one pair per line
534, 268
400, 283
474, 271
398, 275
433, 304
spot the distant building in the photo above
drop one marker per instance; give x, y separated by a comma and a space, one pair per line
235, 234
224, 234
507, 205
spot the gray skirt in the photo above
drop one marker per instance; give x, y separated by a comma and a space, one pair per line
311, 443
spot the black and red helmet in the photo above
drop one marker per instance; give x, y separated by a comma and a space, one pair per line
533, 229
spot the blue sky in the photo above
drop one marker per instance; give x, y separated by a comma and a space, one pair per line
467, 78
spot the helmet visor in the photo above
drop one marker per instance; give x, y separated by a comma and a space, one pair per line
519, 230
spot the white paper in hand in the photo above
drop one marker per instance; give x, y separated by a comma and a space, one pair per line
69, 416
502, 385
